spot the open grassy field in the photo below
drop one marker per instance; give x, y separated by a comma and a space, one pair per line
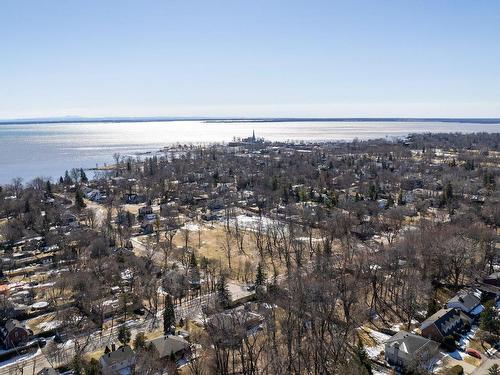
209, 240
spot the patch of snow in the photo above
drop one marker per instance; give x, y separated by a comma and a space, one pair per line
45, 285
191, 227
380, 338
307, 239
50, 325
126, 275
19, 359
254, 222
396, 327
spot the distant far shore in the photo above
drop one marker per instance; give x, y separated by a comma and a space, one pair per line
75, 120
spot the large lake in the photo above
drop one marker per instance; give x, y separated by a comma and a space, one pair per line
30, 150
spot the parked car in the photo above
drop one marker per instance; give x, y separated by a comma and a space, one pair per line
60, 337
139, 311
41, 342
473, 353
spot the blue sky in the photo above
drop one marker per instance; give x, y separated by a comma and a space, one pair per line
249, 58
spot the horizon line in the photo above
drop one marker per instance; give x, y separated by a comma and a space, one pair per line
236, 119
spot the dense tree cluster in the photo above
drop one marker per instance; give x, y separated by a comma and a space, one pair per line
346, 233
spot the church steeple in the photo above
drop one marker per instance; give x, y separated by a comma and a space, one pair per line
253, 135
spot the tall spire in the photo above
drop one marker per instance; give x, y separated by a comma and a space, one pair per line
253, 135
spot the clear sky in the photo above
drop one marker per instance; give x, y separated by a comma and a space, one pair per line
250, 58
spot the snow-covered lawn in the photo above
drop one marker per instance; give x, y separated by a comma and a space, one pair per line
379, 338
20, 358
254, 222
47, 326
192, 227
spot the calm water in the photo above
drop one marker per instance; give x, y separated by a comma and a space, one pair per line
34, 150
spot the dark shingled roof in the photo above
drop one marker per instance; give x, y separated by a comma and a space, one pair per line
439, 318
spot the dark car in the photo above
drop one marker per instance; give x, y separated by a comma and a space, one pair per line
139, 311
60, 337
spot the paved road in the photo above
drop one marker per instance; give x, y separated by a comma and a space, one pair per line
487, 363
30, 366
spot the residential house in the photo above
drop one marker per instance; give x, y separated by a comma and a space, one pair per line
150, 218
118, 362
404, 349
443, 323
15, 334
95, 195
467, 301
147, 228
169, 345
488, 291
133, 198
235, 319
69, 219
169, 209
209, 216
145, 211
493, 279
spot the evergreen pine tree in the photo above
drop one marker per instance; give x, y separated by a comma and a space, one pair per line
67, 179
93, 367
124, 334
194, 271
448, 192
79, 202
372, 192
83, 176
488, 319
223, 294
140, 341
260, 277
361, 357
48, 188
400, 199
432, 306
168, 316
77, 365
390, 202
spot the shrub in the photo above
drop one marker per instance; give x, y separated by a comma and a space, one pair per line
455, 370
449, 343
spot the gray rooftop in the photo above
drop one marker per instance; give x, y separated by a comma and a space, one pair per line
165, 345
121, 354
467, 298
410, 343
